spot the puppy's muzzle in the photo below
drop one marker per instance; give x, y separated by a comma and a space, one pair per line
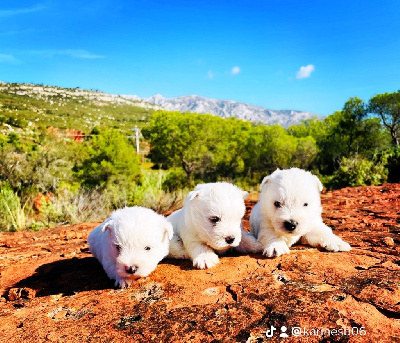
131, 269
290, 225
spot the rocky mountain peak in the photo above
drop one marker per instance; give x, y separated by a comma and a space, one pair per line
228, 108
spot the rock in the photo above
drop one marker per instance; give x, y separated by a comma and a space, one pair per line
18, 293
330, 297
60, 314
388, 241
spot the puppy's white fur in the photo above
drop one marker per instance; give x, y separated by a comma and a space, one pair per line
209, 222
289, 208
130, 243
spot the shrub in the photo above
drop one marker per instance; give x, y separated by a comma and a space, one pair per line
110, 160
70, 206
39, 170
393, 164
12, 216
17, 122
359, 171
3, 141
149, 193
175, 179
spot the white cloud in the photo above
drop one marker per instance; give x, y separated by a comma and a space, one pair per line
305, 72
210, 75
7, 58
235, 70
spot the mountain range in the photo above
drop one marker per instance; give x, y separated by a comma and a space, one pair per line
227, 109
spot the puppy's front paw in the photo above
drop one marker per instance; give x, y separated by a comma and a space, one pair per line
205, 260
123, 282
276, 248
336, 245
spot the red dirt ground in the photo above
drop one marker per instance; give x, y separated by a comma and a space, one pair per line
52, 289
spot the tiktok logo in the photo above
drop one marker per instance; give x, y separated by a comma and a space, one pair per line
270, 332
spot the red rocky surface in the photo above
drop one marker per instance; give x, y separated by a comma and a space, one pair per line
54, 290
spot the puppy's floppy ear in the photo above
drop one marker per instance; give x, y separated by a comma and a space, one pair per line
245, 195
108, 224
265, 181
319, 183
169, 230
193, 194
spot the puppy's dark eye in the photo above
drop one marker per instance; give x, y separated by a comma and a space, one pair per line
118, 247
305, 204
277, 204
147, 248
215, 220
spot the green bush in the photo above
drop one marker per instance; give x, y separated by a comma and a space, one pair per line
17, 122
149, 193
36, 171
174, 180
359, 171
3, 141
110, 159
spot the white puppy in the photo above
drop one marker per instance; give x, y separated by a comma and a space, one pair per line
130, 243
289, 208
209, 222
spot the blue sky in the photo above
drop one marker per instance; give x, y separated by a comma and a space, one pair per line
279, 54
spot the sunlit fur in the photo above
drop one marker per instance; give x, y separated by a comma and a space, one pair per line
291, 196
196, 236
133, 237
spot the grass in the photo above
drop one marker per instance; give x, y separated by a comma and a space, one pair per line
12, 215
69, 205
149, 193
70, 108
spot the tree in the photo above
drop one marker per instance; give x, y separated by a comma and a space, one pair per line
387, 107
306, 152
232, 147
271, 147
349, 126
202, 145
344, 134
110, 160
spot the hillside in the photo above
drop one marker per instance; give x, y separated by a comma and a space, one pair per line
227, 109
70, 108
52, 289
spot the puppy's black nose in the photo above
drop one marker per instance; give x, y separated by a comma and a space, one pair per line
131, 269
290, 225
229, 239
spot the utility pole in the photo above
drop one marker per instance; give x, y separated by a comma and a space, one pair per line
136, 130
